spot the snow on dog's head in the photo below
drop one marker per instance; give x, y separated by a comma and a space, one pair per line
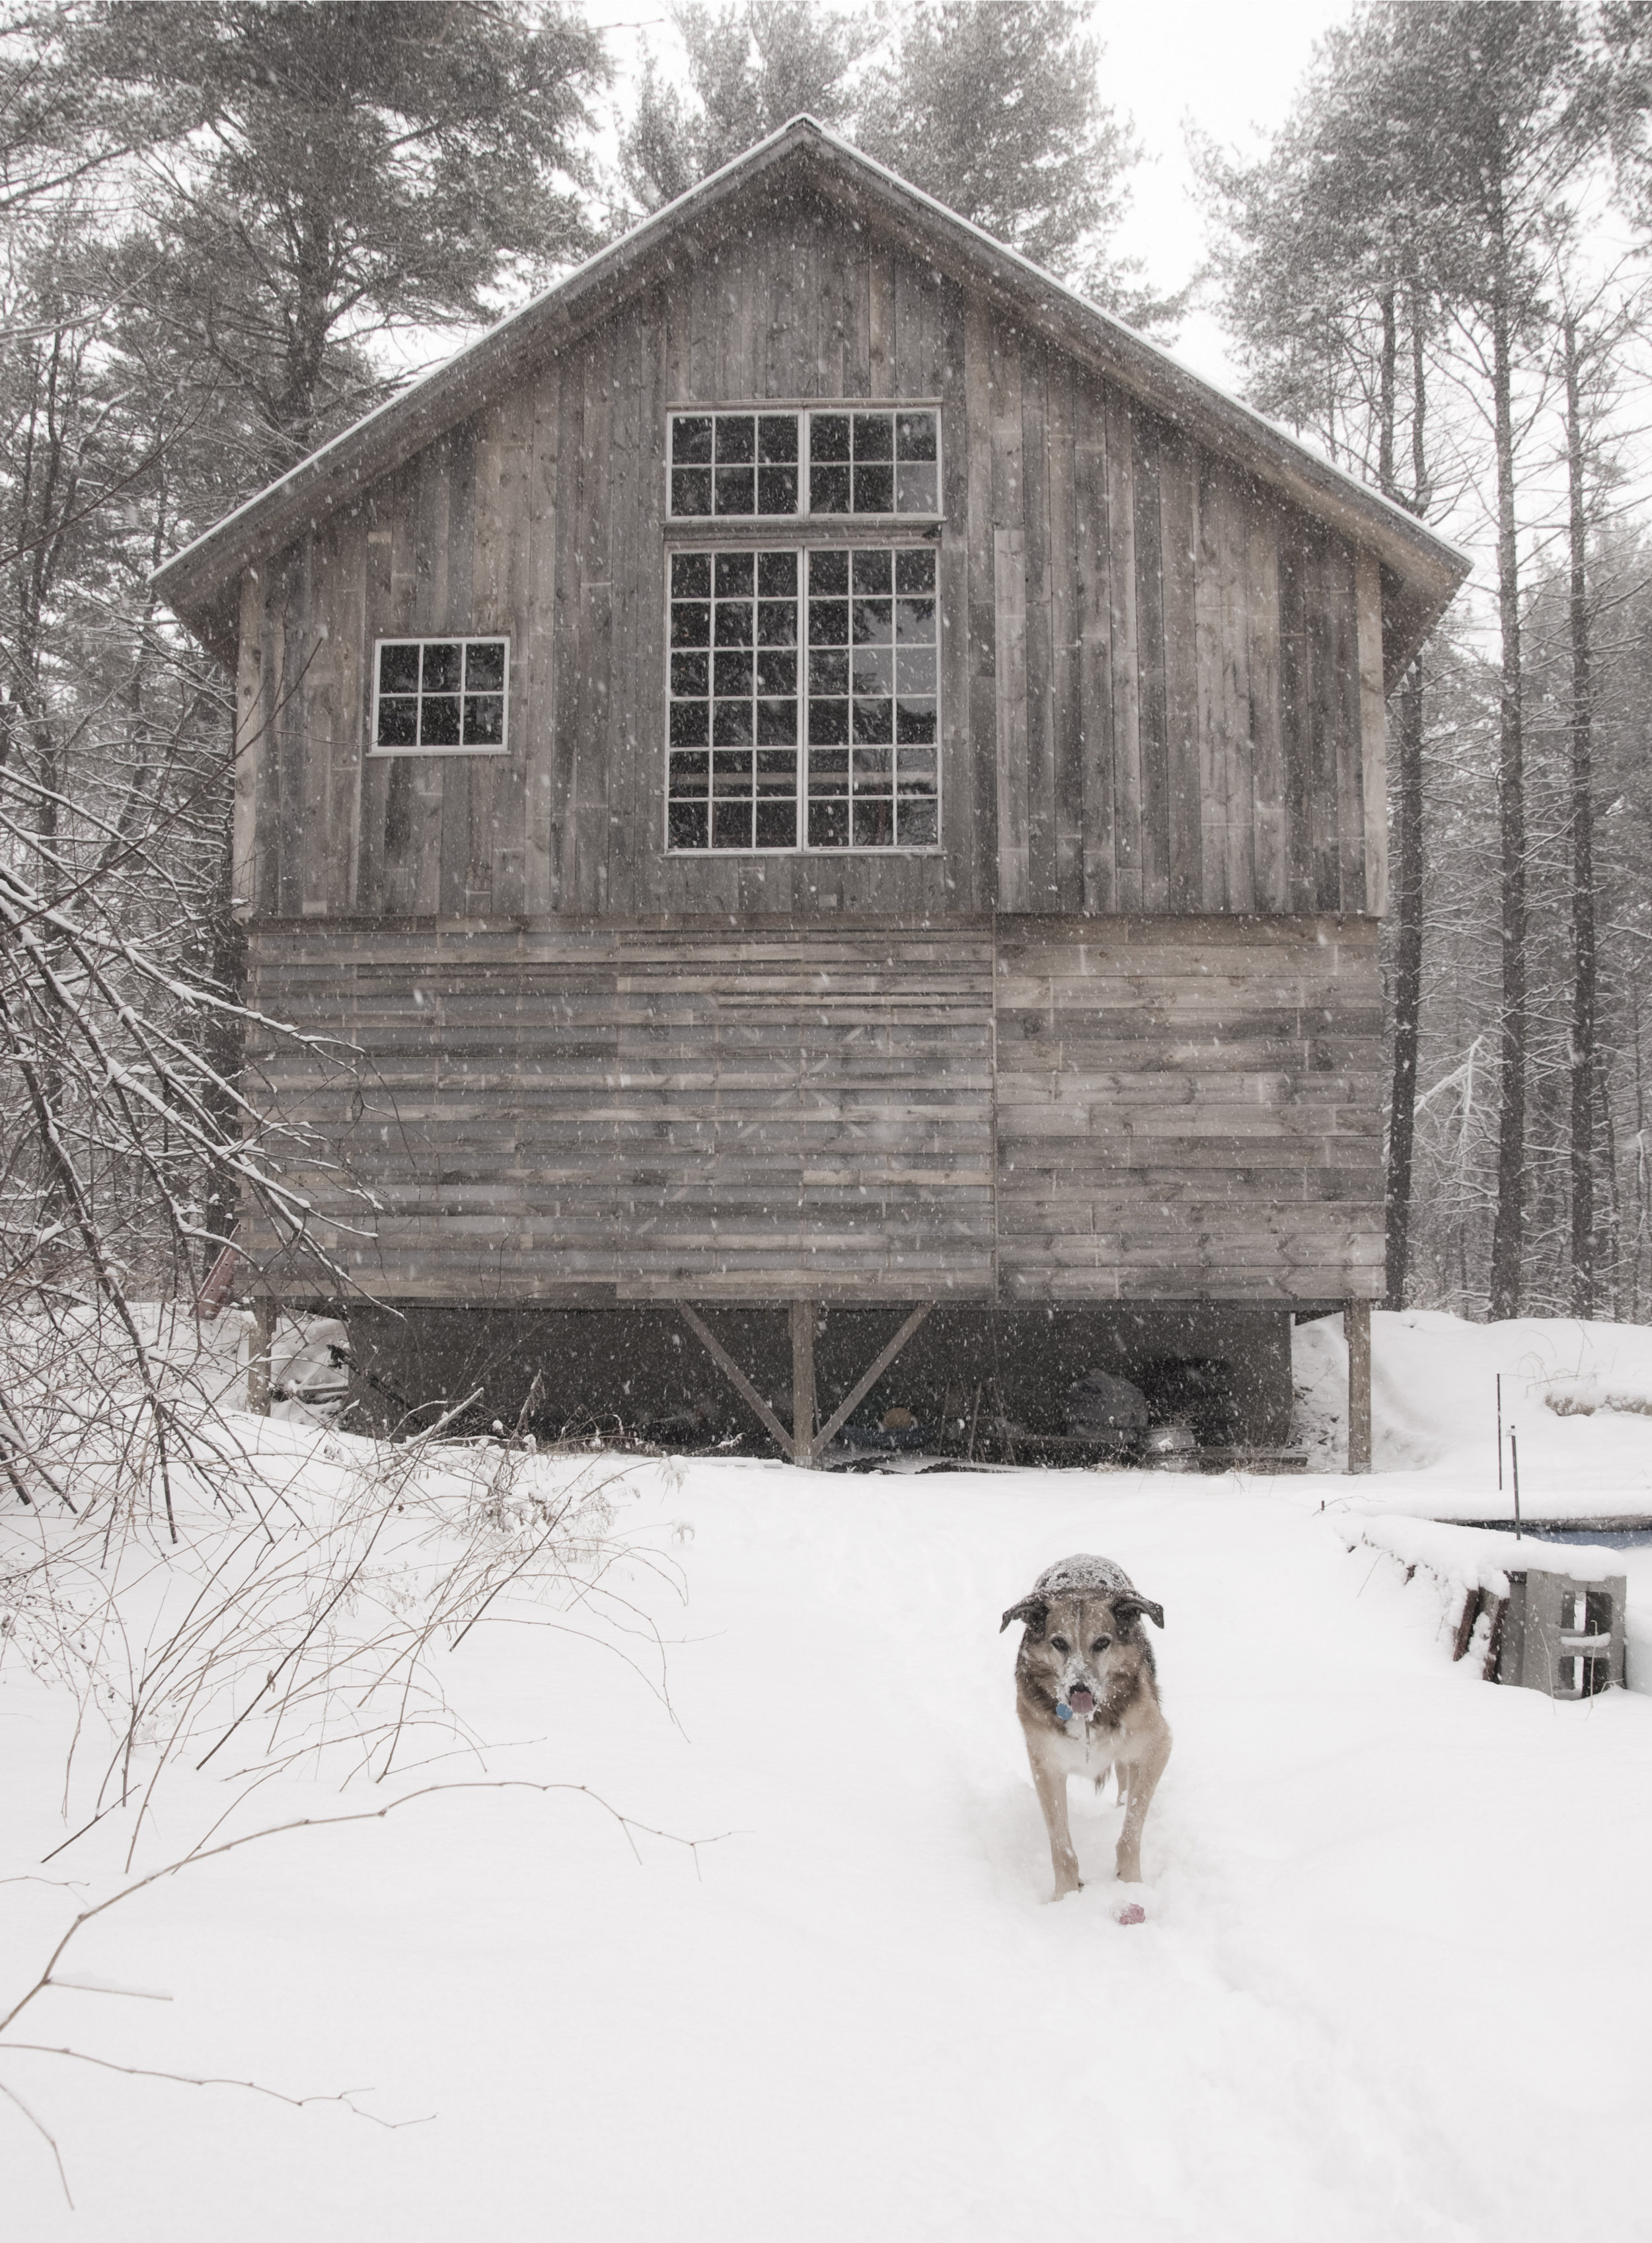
1083, 1637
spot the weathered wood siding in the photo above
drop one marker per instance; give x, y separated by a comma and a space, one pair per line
1189, 1110
1160, 683
1038, 1111
569, 1112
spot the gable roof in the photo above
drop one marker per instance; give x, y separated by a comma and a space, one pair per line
198, 583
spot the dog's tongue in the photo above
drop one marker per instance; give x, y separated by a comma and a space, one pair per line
1080, 1700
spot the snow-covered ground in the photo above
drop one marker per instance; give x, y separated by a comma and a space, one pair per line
1394, 1983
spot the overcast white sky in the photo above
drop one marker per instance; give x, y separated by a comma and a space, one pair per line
1229, 69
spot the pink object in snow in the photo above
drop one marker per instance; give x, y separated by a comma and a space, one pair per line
1132, 1912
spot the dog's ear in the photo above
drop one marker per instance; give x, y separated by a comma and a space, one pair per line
1129, 1605
1033, 1612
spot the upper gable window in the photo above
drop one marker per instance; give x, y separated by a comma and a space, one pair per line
440, 697
841, 461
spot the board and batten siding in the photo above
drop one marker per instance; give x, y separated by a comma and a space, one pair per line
1162, 682
1022, 1109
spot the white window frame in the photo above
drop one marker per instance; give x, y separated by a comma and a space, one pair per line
806, 411
709, 545
464, 641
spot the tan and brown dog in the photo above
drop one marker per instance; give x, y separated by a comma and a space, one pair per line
1087, 1693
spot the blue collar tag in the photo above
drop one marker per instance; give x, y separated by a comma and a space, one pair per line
1064, 1711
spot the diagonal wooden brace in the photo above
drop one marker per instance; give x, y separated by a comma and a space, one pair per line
743, 1386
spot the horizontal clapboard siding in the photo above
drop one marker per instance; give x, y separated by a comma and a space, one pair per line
1032, 1110
550, 1112
1189, 1110
1161, 681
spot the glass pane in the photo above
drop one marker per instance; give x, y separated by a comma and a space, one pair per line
914, 720
875, 670
731, 674
873, 621
776, 823
875, 771
915, 490
777, 623
690, 622
874, 822
777, 770
734, 574
915, 623
442, 662
874, 436
777, 576
777, 673
829, 490
828, 722
691, 576
691, 674
915, 569
690, 491
736, 490
777, 490
731, 825
690, 439
730, 723
398, 722
776, 436
828, 673
915, 670
690, 774
691, 723
828, 824
874, 720
828, 569
776, 723
828, 623
485, 720
872, 570
828, 436
914, 435
918, 822
734, 622
399, 668
736, 437
439, 721
917, 770
485, 666
874, 490
686, 828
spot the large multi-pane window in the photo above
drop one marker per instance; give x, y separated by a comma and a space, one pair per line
440, 697
803, 700
875, 460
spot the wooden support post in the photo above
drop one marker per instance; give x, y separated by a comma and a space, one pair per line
259, 1361
803, 1382
1356, 1324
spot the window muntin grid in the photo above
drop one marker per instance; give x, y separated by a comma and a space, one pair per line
440, 697
803, 700
881, 459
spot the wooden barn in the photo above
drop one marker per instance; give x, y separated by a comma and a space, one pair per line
814, 772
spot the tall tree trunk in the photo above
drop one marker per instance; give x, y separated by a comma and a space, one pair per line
1582, 1055
1509, 1228
1409, 839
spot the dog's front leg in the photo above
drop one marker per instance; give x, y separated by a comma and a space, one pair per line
1143, 1781
1051, 1783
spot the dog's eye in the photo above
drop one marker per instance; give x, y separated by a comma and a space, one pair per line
1059, 1643
1101, 1643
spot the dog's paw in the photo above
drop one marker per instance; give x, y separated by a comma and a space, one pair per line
1132, 1912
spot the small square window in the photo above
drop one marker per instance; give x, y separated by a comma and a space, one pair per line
441, 697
